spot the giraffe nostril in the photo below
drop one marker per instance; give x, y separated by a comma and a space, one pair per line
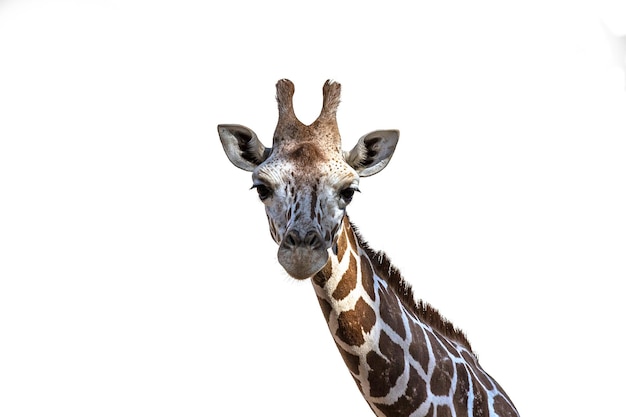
291, 240
313, 240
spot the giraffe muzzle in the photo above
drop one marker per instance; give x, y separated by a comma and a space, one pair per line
302, 254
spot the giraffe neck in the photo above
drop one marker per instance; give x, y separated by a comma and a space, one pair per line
404, 357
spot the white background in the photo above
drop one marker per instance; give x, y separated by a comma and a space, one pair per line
137, 273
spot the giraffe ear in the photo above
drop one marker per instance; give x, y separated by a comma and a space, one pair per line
373, 152
242, 146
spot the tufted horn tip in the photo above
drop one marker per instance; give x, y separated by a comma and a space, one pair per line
285, 86
284, 96
332, 93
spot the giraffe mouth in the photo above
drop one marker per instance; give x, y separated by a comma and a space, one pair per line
302, 263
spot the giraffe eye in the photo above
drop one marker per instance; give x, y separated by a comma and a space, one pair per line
347, 194
263, 191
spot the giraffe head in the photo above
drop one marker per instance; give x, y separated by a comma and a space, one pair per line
305, 179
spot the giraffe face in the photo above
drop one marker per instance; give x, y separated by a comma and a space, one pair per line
305, 180
305, 190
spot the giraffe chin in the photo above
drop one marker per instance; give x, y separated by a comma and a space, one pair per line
302, 263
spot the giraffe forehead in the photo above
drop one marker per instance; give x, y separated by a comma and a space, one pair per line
309, 154
307, 165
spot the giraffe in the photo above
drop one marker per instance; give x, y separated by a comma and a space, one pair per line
406, 359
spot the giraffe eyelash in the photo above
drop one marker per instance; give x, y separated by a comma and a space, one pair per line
263, 190
348, 193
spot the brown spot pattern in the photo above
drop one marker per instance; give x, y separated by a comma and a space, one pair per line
342, 246
386, 369
352, 323
452, 350
413, 397
444, 411
323, 275
483, 378
352, 361
378, 383
469, 358
367, 277
351, 236
461, 393
481, 403
326, 308
392, 313
347, 282
441, 379
418, 348
502, 407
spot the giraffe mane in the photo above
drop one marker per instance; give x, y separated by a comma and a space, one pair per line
423, 310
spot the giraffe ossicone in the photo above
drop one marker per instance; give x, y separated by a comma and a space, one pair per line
406, 359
